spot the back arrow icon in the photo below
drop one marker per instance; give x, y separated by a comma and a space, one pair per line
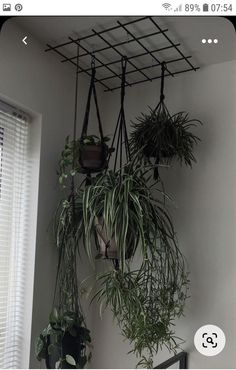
24, 40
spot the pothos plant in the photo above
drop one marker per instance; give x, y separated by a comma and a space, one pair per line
70, 161
62, 344
65, 341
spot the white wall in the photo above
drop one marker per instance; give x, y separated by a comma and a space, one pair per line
37, 82
204, 213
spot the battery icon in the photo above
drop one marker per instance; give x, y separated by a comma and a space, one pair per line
205, 7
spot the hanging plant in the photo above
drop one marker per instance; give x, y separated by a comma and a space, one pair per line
93, 149
120, 210
162, 137
89, 153
89, 150
126, 220
147, 301
64, 342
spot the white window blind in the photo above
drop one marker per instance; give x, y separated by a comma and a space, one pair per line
14, 190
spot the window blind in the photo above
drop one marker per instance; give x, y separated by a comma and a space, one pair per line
14, 185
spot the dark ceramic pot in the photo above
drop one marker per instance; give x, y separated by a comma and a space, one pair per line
107, 245
70, 346
91, 157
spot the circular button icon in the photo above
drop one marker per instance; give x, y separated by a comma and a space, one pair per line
18, 7
209, 340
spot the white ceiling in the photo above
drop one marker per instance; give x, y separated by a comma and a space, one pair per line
189, 31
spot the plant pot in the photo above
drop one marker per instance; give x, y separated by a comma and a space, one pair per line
70, 346
107, 245
91, 157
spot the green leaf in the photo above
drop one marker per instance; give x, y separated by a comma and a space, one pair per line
58, 364
40, 348
54, 317
70, 360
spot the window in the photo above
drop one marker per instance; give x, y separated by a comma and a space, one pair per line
1, 152
14, 202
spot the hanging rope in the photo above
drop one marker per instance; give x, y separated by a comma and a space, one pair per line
92, 90
163, 67
161, 103
74, 131
71, 197
120, 134
161, 109
104, 149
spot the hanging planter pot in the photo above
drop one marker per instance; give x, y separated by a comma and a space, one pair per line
93, 153
160, 136
62, 344
91, 157
88, 154
106, 244
106, 237
93, 149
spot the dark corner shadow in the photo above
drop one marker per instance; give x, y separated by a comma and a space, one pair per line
232, 20
3, 19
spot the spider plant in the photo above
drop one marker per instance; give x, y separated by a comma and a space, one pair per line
162, 137
146, 301
130, 214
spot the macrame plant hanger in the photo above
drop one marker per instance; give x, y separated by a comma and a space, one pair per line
62, 258
120, 138
92, 93
161, 109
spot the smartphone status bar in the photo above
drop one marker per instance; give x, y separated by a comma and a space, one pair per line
121, 7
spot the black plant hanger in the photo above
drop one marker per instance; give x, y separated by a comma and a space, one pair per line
161, 110
92, 93
120, 138
161, 104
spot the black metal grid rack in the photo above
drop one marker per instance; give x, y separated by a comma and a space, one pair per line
108, 54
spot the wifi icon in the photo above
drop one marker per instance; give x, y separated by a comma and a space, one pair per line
166, 6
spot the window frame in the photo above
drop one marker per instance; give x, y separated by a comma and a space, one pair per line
35, 123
